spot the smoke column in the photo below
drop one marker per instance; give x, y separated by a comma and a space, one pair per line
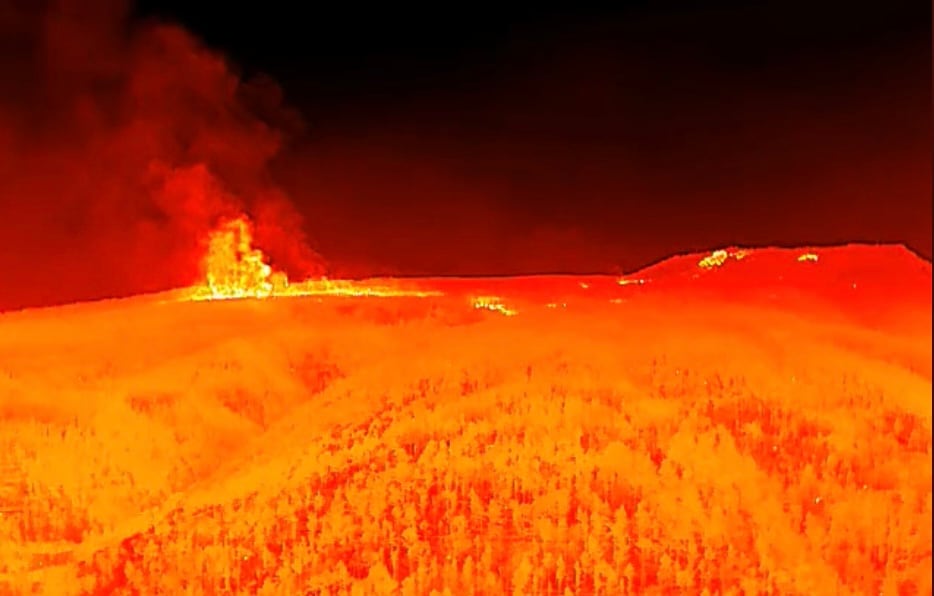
122, 144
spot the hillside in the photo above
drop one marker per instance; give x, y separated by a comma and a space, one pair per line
727, 423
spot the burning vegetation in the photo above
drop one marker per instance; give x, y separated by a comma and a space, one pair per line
556, 435
234, 269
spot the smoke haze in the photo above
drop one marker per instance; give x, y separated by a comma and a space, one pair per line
123, 143
561, 145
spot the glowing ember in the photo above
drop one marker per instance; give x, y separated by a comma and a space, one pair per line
808, 257
715, 259
718, 257
494, 304
327, 287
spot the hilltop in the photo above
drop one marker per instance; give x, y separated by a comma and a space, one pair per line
755, 422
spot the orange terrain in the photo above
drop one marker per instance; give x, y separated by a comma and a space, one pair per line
740, 422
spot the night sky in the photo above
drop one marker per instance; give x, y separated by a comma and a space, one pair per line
474, 140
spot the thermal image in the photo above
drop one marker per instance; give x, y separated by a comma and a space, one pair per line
394, 302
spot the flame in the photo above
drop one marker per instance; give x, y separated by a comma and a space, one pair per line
718, 257
809, 256
234, 269
714, 259
493, 303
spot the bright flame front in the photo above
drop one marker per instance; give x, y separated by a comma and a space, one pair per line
234, 269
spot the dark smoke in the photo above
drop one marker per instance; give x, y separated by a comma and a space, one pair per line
121, 146
569, 145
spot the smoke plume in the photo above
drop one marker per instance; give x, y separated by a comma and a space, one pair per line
122, 144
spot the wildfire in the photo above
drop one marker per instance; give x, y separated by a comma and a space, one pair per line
718, 257
234, 269
494, 304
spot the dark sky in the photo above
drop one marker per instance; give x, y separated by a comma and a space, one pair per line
492, 140
473, 140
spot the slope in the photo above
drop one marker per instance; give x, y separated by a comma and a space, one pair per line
670, 433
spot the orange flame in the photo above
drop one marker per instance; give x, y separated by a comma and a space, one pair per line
234, 269
493, 303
